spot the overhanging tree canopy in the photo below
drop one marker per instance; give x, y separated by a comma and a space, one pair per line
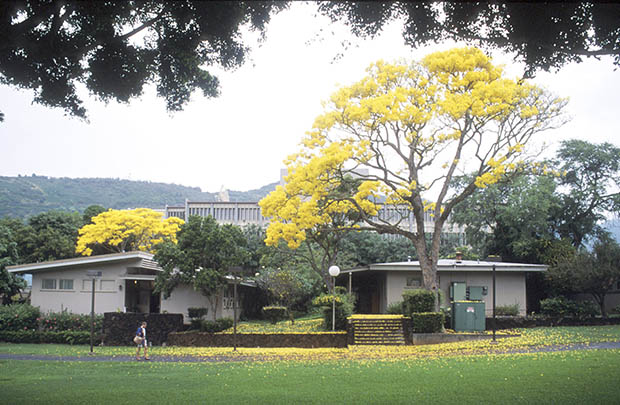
543, 35
403, 132
116, 47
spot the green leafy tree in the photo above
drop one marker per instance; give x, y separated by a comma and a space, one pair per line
591, 179
255, 244
595, 273
365, 248
203, 256
90, 212
49, 236
284, 287
513, 219
10, 284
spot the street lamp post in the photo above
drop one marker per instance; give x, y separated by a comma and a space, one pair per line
94, 275
334, 271
494, 301
235, 270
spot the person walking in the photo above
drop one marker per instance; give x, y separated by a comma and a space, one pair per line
141, 333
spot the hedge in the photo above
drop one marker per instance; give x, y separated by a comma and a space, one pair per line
197, 312
274, 314
562, 307
33, 336
427, 322
216, 326
418, 301
119, 328
19, 317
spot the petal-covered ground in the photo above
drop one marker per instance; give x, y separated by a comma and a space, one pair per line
536, 339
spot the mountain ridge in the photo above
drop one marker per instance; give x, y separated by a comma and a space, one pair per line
24, 196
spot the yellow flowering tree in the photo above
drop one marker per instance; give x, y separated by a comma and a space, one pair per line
401, 134
126, 230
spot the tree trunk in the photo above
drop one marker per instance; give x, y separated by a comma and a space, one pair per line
600, 300
428, 266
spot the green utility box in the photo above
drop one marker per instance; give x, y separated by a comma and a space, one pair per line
458, 291
468, 316
475, 293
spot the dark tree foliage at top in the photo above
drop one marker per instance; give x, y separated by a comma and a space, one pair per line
116, 47
543, 35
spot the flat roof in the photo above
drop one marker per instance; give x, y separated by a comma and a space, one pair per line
77, 261
452, 265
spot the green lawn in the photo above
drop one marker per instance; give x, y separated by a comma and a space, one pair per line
464, 373
566, 377
534, 337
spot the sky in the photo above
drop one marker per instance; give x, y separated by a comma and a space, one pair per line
239, 140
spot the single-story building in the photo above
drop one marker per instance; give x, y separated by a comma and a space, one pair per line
376, 286
125, 284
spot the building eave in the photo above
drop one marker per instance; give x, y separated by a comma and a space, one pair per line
445, 265
78, 261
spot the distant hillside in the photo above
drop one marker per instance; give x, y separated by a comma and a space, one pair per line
26, 196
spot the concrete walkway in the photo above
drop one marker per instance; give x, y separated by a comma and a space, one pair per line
241, 358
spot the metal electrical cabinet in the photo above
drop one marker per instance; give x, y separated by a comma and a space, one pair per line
468, 316
468, 309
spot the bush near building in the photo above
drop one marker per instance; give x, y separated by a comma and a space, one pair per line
23, 323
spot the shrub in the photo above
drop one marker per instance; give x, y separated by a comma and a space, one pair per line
344, 308
34, 336
224, 323
418, 301
19, 317
616, 309
428, 322
274, 314
216, 326
557, 306
395, 308
562, 307
197, 313
67, 321
507, 310
586, 309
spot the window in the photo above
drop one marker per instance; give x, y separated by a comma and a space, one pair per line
48, 284
107, 285
65, 284
414, 282
87, 285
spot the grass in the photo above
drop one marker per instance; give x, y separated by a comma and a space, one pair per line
310, 323
567, 377
535, 337
467, 372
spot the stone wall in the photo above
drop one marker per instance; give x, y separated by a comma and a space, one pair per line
307, 340
120, 328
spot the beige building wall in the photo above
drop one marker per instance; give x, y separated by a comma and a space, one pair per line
184, 297
510, 286
77, 299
